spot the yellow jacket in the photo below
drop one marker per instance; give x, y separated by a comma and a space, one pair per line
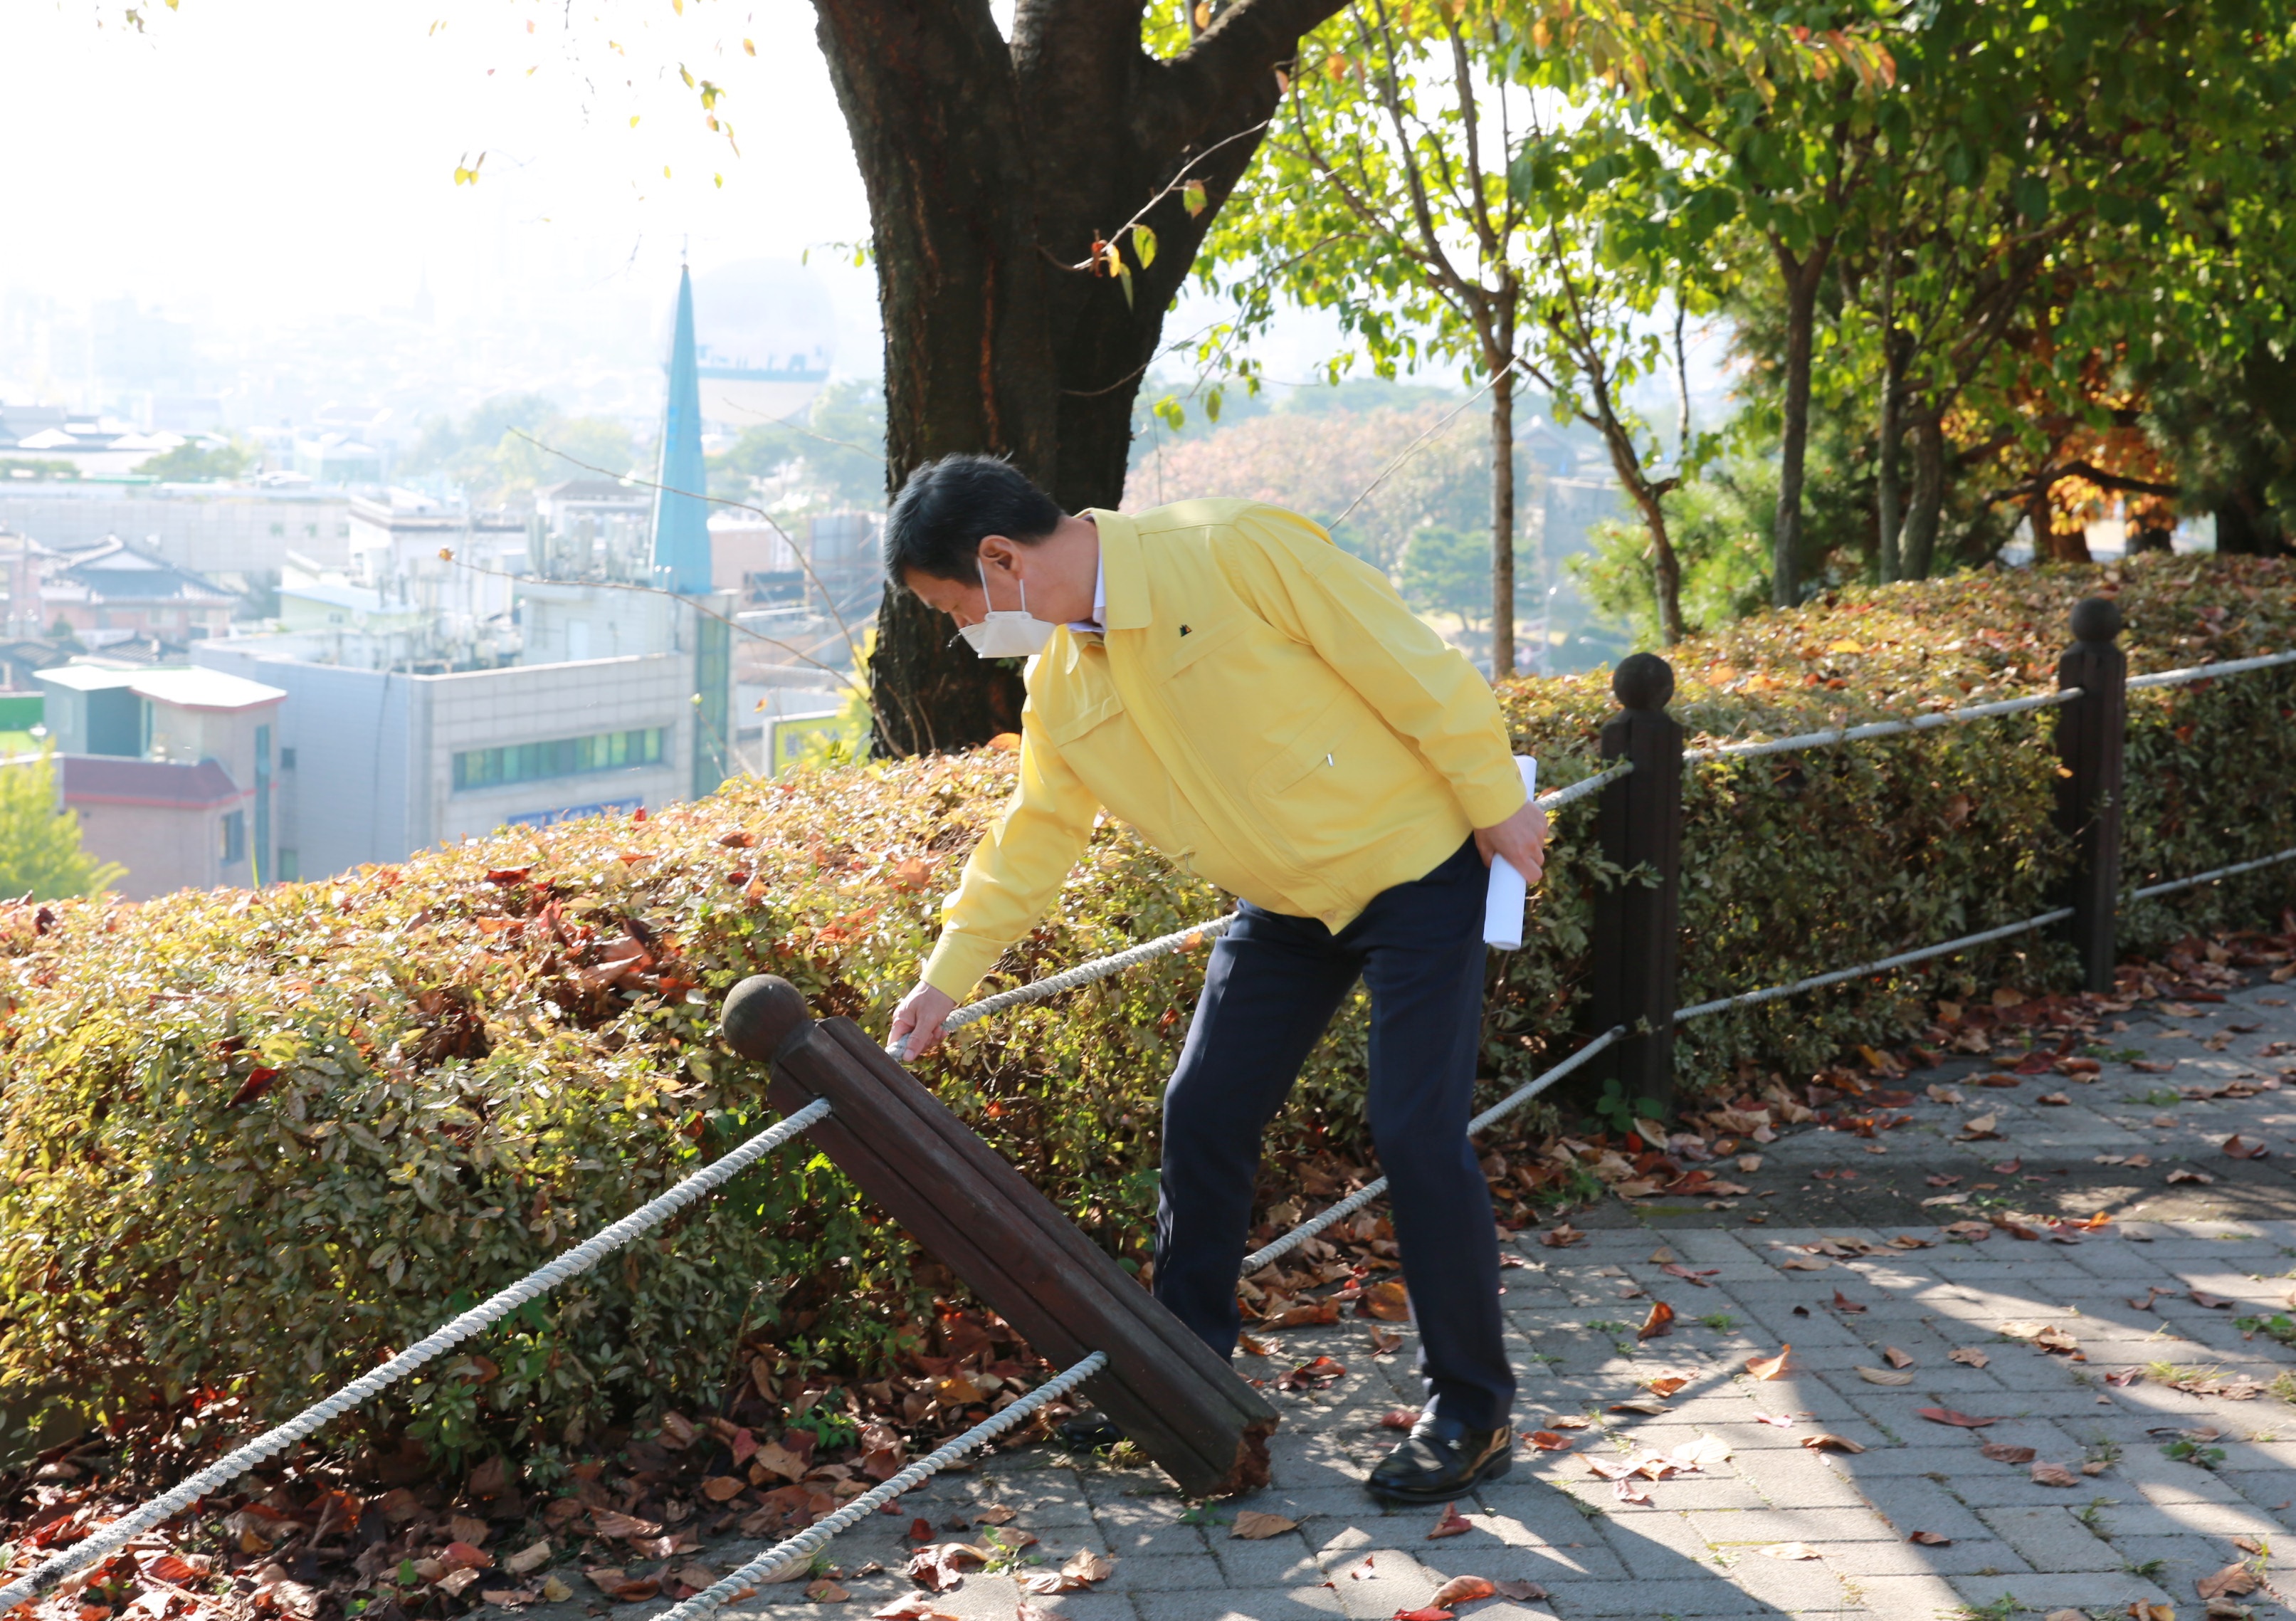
1261, 707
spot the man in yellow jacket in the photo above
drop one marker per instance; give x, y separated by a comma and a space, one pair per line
1264, 709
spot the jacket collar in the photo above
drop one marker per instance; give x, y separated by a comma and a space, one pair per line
1125, 569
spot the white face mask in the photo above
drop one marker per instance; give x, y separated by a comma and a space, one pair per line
1007, 633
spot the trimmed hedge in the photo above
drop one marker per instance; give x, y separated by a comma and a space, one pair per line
255, 1141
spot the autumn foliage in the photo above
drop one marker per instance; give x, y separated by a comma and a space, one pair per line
255, 1141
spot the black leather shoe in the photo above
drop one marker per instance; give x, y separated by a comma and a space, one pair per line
1442, 1461
1089, 1432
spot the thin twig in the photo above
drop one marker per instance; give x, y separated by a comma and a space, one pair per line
1413, 448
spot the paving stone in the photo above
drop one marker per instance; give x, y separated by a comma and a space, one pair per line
2052, 1539
2100, 1594
1309, 1603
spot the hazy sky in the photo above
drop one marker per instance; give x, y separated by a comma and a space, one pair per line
281, 158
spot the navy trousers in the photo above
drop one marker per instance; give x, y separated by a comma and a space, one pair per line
1271, 987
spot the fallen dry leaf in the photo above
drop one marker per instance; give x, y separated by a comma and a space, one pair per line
1929, 1539
2238, 1147
1804, 1263
1626, 1491
1083, 1568
2207, 1302
2182, 1175
1826, 1441
1252, 1525
1947, 1415
911, 1607
1968, 1355
1451, 1522
941, 1566
1788, 1550
1661, 1320
823, 1590
1562, 1237
1547, 1441
1463, 1590
996, 1514
2001, 1451
532, 1558
1896, 1358
1884, 1375
2233, 1582
2054, 1475
1769, 1367
608, 1523
2142, 1611
1842, 1302
1388, 1302
1980, 1129
1665, 1383
1426, 1613
1676, 1270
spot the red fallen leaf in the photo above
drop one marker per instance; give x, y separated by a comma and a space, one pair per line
1947, 1415
462, 1556
1312, 1375
2144, 1067
508, 876
1451, 1524
1842, 1302
2207, 1302
1769, 1367
1661, 1320
1675, 1269
1389, 1302
1929, 1539
1562, 1237
1548, 1441
1463, 1590
1398, 1417
2009, 1167
2124, 1376
2239, 1149
2001, 1451
258, 1083
921, 1530
170, 1568
1312, 1313
1425, 1613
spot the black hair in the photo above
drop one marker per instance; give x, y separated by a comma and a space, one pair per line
948, 507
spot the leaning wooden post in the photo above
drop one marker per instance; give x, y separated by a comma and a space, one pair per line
1181, 1403
1638, 924
2092, 730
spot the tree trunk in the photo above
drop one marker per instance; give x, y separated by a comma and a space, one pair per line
992, 167
2244, 525
1503, 522
1666, 567
1926, 510
1889, 513
1801, 278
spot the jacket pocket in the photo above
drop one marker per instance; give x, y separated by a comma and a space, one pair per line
1330, 793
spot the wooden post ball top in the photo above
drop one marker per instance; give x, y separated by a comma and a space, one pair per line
761, 1014
1643, 680
2097, 618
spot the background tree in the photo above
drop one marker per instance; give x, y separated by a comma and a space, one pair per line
1035, 202
40, 855
196, 461
1384, 199
1448, 571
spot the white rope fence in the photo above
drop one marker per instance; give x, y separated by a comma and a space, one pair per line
2203, 672
1818, 981
1883, 728
1369, 1191
101, 1545
817, 1536
2174, 885
1181, 939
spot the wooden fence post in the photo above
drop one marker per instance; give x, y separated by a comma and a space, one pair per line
1638, 924
2092, 730
1174, 1397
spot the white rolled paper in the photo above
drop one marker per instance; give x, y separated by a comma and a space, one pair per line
1504, 900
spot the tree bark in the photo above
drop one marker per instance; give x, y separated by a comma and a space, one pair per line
1889, 509
1503, 522
2244, 525
1926, 509
1801, 278
992, 167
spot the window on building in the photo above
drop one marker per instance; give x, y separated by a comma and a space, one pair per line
560, 757
234, 837
287, 757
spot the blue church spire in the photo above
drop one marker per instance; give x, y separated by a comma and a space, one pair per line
681, 525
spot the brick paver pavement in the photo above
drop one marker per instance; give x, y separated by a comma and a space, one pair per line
2139, 1523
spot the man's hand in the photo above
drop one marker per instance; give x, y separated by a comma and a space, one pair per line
916, 1021
1521, 839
